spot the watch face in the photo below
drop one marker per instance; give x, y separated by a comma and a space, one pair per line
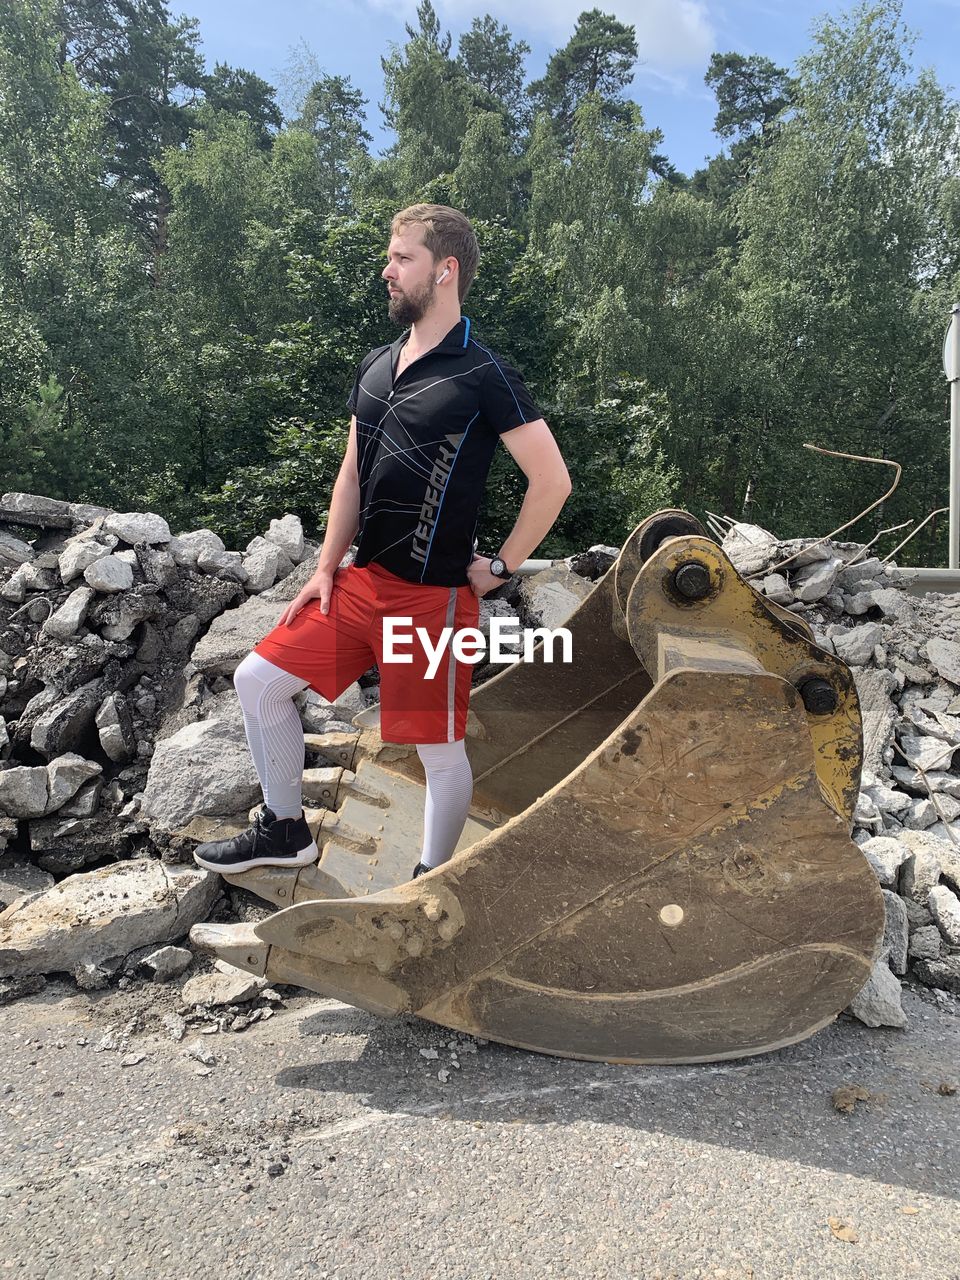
497, 567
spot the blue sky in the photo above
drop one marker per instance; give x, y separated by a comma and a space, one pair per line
675, 38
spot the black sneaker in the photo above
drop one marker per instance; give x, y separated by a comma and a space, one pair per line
420, 870
270, 842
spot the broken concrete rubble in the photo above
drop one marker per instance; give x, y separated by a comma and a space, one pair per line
904, 652
97, 916
126, 692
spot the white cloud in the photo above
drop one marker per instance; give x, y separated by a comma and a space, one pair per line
670, 33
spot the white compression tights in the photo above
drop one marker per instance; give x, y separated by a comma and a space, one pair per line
275, 736
274, 731
449, 790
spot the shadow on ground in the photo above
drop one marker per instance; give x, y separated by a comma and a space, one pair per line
776, 1105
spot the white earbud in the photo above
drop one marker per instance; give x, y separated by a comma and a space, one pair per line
444, 272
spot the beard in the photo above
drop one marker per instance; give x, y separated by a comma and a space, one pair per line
408, 308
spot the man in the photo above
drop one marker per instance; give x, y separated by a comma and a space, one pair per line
428, 410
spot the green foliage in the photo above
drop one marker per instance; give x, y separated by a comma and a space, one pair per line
188, 279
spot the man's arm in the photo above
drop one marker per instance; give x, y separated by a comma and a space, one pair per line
342, 525
344, 518
536, 452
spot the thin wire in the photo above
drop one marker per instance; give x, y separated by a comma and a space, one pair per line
876, 538
939, 512
853, 457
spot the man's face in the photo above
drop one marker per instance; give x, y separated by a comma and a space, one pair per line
411, 275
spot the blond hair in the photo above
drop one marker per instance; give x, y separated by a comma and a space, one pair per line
447, 233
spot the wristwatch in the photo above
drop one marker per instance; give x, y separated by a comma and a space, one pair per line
499, 569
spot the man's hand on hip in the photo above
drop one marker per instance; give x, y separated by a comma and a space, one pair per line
482, 580
321, 584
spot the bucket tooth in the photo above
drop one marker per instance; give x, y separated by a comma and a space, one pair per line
238, 944
335, 749
326, 786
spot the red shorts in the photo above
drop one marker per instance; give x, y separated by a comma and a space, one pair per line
331, 650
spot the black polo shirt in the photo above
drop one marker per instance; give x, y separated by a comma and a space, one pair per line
425, 442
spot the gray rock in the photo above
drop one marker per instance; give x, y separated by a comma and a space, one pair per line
225, 564
490, 609
258, 543
182, 635
36, 578
944, 906
91, 917
19, 879
234, 633
776, 588
856, 646
858, 603
80, 553
15, 587
166, 963
287, 533
66, 620
874, 688
186, 547
199, 1051
205, 768
944, 973
950, 865
13, 551
114, 723
888, 799
109, 574
23, 791
925, 943
945, 656
262, 566
943, 831
920, 872
940, 782
918, 917
226, 986
920, 814
67, 774
749, 547
551, 596
33, 508
67, 720
138, 526
94, 977
592, 563
860, 576
893, 603
926, 752
350, 703
877, 1004
886, 856
816, 580
806, 551
896, 932
119, 615
85, 803
942, 850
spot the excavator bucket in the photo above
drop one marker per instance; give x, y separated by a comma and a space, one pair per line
657, 866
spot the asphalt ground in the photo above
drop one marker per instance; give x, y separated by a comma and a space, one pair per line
322, 1143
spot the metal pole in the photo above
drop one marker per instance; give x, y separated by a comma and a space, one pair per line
954, 562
